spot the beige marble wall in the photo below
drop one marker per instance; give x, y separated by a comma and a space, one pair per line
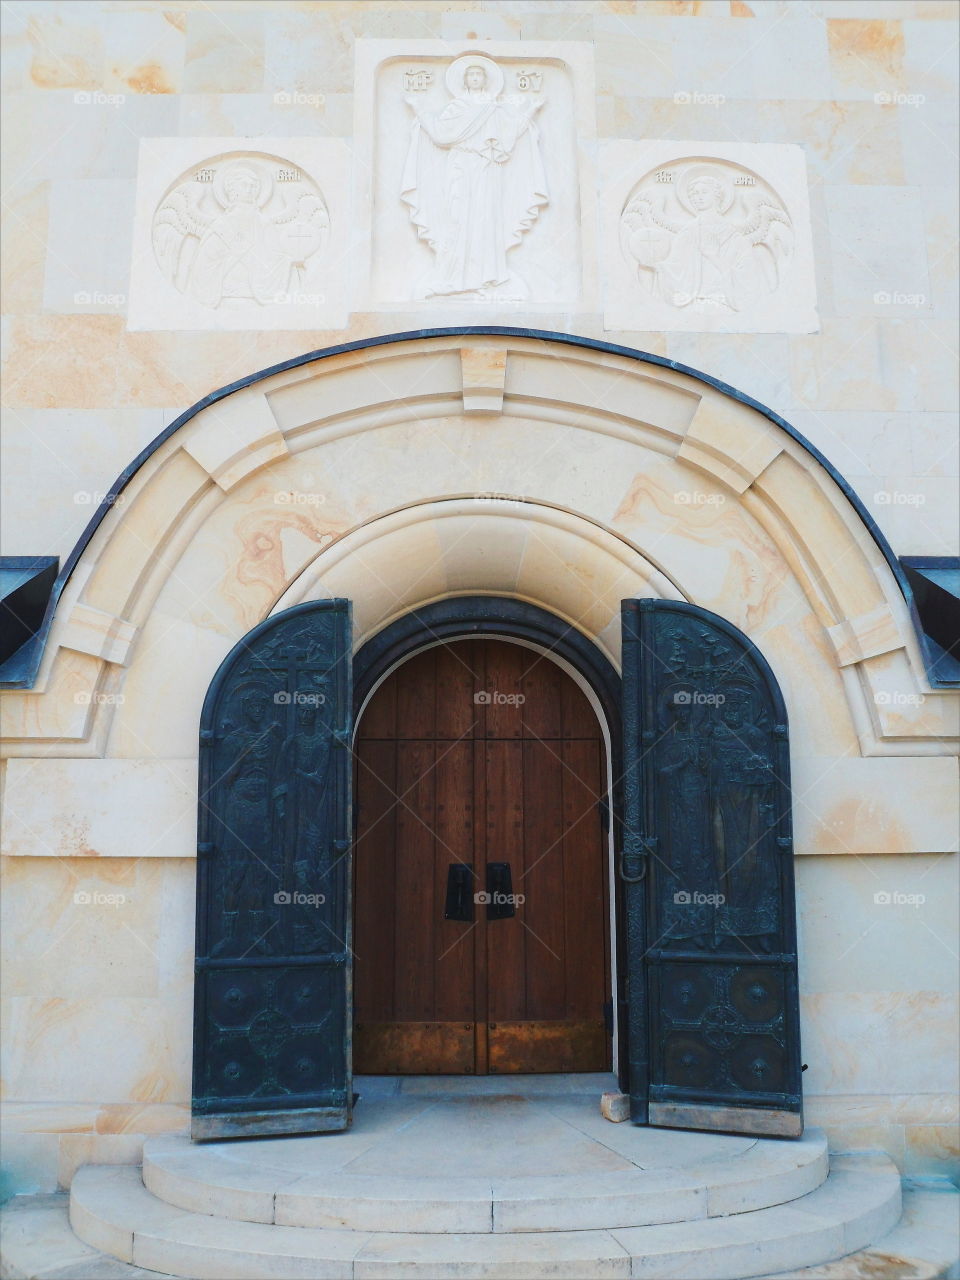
865, 88
586, 481
549, 499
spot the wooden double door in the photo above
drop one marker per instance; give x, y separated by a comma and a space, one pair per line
481, 882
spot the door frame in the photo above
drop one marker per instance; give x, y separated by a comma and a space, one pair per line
463, 617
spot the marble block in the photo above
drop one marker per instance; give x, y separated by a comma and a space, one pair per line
475, 184
241, 233
706, 236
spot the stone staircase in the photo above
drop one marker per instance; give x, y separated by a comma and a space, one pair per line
501, 1187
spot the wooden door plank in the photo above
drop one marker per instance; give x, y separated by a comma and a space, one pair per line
480, 948
579, 718
506, 985
458, 676
379, 717
543, 881
454, 956
374, 881
586, 871
504, 711
417, 697
541, 684
416, 901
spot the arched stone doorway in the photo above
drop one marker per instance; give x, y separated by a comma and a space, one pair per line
576, 690
704, 856
406, 470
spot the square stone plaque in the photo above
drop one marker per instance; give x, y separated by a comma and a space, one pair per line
240, 233
475, 175
707, 236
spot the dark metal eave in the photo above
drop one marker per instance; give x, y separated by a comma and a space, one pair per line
26, 584
27, 659
935, 610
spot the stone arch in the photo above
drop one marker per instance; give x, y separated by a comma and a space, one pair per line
402, 470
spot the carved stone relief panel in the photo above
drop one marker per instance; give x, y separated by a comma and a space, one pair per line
699, 236
478, 161
236, 233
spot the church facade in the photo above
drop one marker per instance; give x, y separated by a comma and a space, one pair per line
479, 552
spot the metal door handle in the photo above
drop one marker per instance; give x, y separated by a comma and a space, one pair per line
459, 901
501, 903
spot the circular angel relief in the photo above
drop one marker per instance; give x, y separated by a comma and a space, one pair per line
240, 230
706, 235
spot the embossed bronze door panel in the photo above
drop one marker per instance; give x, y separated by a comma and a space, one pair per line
271, 1008
480, 754
707, 867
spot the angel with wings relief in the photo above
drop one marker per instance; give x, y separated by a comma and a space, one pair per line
221, 242
725, 255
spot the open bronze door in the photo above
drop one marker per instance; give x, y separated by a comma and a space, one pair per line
271, 995
707, 866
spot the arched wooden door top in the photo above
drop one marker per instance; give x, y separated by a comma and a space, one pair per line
480, 762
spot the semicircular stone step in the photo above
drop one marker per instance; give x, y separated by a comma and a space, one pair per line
414, 1178
111, 1210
